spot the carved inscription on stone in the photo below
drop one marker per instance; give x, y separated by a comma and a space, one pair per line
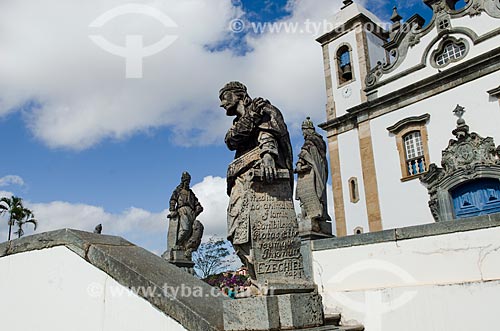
275, 235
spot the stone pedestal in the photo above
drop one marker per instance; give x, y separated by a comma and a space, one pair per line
312, 229
178, 258
275, 312
275, 236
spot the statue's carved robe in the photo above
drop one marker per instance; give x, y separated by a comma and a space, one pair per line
252, 136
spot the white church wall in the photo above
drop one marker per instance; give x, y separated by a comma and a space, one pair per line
375, 50
400, 199
479, 24
444, 282
81, 296
350, 161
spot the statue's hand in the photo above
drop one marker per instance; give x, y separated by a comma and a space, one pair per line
259, 105
269, 168
173, 214
302, 168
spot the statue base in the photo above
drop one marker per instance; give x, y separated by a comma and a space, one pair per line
178, 258
314, 229
275, 312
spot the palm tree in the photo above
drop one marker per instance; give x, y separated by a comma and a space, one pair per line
28, 218
17, 214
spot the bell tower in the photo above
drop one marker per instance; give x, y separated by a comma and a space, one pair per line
350, 50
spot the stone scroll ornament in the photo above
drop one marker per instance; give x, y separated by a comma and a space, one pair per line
185, 231
262, 224
312, 171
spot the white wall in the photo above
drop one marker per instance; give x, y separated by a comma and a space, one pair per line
375, 50
398, 200
442, 283
350, 163
55, 289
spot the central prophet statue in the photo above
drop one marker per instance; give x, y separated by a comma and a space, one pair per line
262, 224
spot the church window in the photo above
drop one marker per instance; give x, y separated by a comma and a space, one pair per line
353, 189
444, 24
411, 142
415, 158
345, 72
450, 50
358, 230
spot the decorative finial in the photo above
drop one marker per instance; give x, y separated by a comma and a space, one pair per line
459, 112
462, 129
395, 16
396, 21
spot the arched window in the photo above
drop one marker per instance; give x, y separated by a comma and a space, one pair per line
344, 64
415, 157
353, 189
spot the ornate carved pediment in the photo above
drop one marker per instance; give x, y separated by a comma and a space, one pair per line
467, 157
468, 152
404, 36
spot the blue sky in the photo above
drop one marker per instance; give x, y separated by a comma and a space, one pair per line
89, 146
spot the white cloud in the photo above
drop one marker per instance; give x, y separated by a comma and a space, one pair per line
135, 224
6, 194
80, 90
11, 180
211, 193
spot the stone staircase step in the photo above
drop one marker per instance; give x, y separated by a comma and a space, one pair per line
335, 328
352, 328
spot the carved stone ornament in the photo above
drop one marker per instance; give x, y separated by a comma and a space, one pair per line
467, 157
491, 7
476, 9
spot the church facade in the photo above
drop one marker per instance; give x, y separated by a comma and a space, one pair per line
392, 93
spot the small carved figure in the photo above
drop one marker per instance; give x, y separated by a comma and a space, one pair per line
312, 170
260, 138
195, 240
98, 229
184, 208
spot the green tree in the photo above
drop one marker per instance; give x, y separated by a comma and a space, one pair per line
18, 214
213, 257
